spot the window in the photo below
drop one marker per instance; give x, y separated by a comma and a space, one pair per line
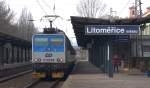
133, 12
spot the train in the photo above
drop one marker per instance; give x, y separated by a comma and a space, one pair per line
53, 56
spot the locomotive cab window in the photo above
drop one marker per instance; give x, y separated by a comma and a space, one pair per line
41, 41
57, 41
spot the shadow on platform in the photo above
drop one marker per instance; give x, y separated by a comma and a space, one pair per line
85, 67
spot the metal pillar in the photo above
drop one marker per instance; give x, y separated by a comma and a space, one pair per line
12, 54
50, 24
105, 59
1, 61
138, 14
109, 59
17, 49
140, 8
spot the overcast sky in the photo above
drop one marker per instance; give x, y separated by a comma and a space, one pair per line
65, 9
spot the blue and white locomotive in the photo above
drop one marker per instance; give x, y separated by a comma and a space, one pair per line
52, 54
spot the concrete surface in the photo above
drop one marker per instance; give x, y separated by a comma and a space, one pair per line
86, 75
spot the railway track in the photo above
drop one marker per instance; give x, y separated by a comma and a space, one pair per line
5, 79
18, 82
44, 84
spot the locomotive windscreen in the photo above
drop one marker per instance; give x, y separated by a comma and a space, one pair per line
48, 48
57, 41
41, 41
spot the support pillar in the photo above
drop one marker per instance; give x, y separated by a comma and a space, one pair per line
12, 54
109, 58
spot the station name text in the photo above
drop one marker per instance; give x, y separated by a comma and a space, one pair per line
110, 30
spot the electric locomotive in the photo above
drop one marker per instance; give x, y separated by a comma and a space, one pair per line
52, 54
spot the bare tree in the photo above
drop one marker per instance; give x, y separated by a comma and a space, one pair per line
5, 12
23, 29
31, 28
91, 8
26, 27
6, 17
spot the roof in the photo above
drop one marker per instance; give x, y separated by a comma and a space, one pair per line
5, 38
146, 14
80, 22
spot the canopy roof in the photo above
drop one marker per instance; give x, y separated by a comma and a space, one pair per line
5, 38
80, 22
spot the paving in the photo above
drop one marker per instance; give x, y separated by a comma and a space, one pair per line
86, 75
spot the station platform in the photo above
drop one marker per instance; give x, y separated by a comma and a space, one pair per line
86, 75
14, 65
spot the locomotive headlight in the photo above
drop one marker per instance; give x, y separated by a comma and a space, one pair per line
61, 59
58, 59
38, 60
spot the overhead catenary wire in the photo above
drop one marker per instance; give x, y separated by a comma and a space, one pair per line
41, 6
121, 11
42, 9
48, 6
45, 17
54, 8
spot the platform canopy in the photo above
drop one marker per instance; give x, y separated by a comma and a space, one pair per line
79, 24
5, 38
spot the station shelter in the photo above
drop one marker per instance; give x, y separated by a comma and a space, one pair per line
13, 50
103, 38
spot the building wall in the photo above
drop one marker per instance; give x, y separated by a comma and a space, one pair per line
132, 12
136, 49
146, 29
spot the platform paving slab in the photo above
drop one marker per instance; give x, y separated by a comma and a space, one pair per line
86, 75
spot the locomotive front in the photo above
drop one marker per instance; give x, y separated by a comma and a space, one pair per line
49, 55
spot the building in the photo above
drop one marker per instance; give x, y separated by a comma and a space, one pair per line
132, 15
143, 43
98, 45
147, 26
132, 12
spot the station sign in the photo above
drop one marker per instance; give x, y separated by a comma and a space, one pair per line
112, 29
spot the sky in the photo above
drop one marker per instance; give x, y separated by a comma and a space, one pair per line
65, 9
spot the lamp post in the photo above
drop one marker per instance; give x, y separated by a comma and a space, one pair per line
140, 8
109, 50
28, 30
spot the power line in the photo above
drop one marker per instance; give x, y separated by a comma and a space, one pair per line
41, 6
124, 7
54, 7
46, 4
